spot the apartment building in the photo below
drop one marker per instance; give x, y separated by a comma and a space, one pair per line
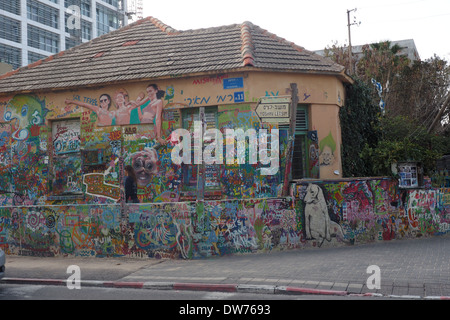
31, 30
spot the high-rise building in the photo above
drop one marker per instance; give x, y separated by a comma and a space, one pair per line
135, 10
31, 30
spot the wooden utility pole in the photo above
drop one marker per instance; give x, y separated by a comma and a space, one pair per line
290, 149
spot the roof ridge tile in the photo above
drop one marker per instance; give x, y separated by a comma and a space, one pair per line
162, 26
247, 48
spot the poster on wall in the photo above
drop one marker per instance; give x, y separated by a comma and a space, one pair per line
408, 173
66, 136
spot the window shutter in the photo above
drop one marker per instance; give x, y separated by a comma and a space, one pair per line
301, 120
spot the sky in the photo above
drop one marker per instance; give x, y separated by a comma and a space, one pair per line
316, 25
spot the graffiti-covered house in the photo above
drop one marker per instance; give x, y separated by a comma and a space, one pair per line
71, 122
233, 134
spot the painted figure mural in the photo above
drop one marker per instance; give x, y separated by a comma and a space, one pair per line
150, 110
27, 147
318, 224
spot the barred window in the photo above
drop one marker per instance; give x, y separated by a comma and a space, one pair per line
112, 2
10, 29
70, 43
84, 5
33, 57
12, 6
42, 13
42, 39
86, 8
86, 30
11, 55
107, 20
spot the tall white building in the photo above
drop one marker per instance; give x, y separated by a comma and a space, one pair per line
31, 30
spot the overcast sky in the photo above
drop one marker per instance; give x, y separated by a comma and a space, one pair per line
315, 25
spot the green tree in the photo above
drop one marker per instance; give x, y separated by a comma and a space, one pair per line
403, 140
415, 94
360, 128
420, 91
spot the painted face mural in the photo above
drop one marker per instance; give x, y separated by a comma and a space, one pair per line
25, 113
327, 148
145, 164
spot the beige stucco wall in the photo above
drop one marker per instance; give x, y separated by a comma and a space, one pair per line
324, 95
325, 119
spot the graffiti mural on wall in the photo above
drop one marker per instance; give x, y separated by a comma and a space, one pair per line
170, 230
327, 149
23, 153
369, 210
318, 224
120, 110
338, 213
118, 127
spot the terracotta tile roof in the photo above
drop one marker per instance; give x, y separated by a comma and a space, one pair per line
150, 49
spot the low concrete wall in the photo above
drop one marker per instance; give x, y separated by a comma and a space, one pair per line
319, 213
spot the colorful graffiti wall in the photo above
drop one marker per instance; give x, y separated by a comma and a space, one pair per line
72, 147
365, 210
322, 214
186, 230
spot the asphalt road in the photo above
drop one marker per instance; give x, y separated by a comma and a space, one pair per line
409, 269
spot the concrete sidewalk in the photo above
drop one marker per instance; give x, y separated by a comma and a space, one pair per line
410, 269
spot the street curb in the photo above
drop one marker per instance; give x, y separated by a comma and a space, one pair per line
309, 291
221, 287
206, 287
243, 288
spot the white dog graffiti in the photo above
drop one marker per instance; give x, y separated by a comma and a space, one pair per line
317, 221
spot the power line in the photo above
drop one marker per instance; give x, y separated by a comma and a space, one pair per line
407, 19
391, 5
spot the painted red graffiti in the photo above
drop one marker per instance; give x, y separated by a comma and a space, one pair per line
115, 135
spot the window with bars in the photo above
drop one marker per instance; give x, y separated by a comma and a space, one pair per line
11, 55
86, 8
10, 29
190, 171
114, 3
33, 57
42, 39
300, 154
42, 13
70, 43
86, 30
107, 20
84, 5
12, 6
